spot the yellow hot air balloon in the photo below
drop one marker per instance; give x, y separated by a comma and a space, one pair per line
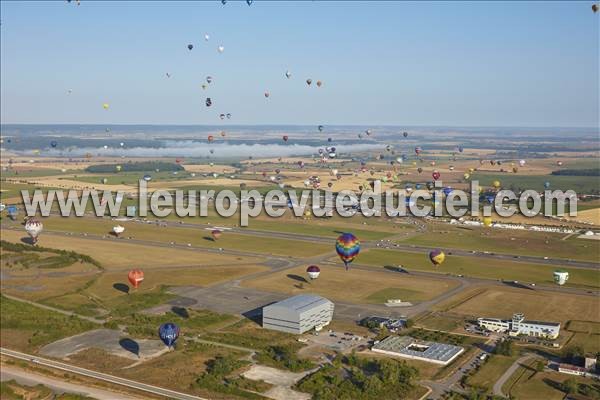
466, 175
118, 168
105, 106
496, 184
487, 221
437, 257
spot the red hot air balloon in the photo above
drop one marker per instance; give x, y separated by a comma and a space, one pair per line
436, 175
135, 276
216, 234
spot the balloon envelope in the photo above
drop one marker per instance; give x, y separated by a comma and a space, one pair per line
33, 227
135, 277
347, 247
168, 333
313, 271
437, 257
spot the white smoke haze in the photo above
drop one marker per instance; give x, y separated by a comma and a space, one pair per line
221, 150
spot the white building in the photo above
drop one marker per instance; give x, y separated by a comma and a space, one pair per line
298, 314
519, 326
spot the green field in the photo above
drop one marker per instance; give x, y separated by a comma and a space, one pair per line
517, 182
479, 267
26, 327
132, 178
491, 371
196, 237
509, 242
34, 172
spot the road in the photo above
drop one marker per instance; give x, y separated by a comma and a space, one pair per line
172, 394
59, 386
508, 373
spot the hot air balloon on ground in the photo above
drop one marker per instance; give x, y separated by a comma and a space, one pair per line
560, 277
34, 227
313, 272
347, 247
216, 234
118, 229
437, 257
135, 277
168, 333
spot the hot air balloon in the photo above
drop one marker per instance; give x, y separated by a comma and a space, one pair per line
208, 102
210, 138
190, 47
285, 138
546, 185
249, 2
308, 81
419, 170
118, 168
105, 106
221, 49
319, 83
216, 234
168, 333
560, 277
209, 79
288, 74
437, 257
466, 176
496, 184
33, 227
104, 181
313, 271
267, 94
487, 221
595, 8
320, 128
559, 163
405, 134
368, 132
54, 143
206, 37
347, 247
135, 277
436, 175
147, 178
118, 229
521, 163
418, 150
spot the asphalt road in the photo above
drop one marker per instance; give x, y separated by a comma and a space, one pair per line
508, 373
168, 393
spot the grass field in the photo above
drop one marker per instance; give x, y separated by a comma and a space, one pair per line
536, 305
120, 255
25, 327
491, 371
580, 184
440, 322
526, 383
197, 237
508, 242
479, 267
355, 286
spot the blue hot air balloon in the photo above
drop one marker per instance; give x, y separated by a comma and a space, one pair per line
54, 143
168, 333
447, 190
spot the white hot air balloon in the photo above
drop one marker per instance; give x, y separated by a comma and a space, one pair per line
561, 277
206, 37
221, 49
34, 228
521, 163
117, 230
313, 272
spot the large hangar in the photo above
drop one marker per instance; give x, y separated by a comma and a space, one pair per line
298, 314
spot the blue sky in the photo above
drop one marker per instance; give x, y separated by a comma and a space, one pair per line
382, 63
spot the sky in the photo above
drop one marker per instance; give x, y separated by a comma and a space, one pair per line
381, 63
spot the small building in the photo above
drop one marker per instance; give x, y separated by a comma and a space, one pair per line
572, 369
298, 314
392, 324
519, 326
408, 347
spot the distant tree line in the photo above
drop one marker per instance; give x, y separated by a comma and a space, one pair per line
578, 172
143, 166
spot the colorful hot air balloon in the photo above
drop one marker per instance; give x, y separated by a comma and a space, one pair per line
437, 257
168, 333
313, 271
347, 247
418, 150
33, 227
216, 234
135, 276
210, 138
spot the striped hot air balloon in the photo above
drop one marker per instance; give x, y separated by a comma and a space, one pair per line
347, 247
